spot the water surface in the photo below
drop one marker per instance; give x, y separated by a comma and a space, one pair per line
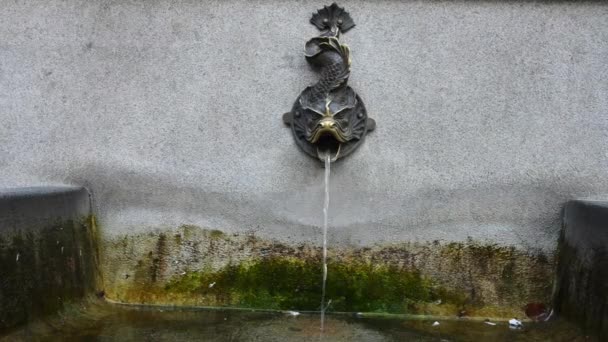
122, 323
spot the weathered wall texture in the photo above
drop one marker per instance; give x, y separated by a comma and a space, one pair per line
490, 116
48, 252
194, 266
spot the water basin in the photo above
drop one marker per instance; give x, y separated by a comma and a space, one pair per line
109, 322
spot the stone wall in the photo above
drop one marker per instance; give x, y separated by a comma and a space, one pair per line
582, 279
490, 115
198, 267
48, 252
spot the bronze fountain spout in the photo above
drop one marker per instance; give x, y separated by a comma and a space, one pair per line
329, 117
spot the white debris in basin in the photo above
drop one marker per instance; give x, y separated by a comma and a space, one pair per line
515, 323
435, 323
549, 316
293, 313
490, 323
212, 285
17, 258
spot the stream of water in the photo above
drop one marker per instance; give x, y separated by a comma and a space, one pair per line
325, 221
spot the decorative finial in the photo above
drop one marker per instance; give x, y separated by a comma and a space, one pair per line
332, 17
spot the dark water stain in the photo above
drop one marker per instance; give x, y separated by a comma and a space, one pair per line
40, 270
582, 273
158, 262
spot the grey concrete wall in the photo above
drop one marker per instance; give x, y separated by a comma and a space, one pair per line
490, 115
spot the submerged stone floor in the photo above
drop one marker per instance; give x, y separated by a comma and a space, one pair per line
101, 321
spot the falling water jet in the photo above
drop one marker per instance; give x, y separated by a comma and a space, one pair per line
325, 222
329, 118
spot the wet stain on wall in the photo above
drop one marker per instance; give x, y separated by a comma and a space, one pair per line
43, 269
582, 273
195, 266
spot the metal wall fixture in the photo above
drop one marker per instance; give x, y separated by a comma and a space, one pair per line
329, 117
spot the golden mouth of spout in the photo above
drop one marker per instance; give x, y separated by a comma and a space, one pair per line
327, 128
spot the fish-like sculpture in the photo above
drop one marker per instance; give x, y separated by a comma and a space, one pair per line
329, 117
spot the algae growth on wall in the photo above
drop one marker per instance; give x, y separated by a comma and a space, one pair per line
194, 266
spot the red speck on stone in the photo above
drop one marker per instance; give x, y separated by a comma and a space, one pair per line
536, 311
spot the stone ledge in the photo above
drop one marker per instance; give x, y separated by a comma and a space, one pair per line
582, 276
48, 251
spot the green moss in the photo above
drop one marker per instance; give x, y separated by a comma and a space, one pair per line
216, 234
290, 283
435, 278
